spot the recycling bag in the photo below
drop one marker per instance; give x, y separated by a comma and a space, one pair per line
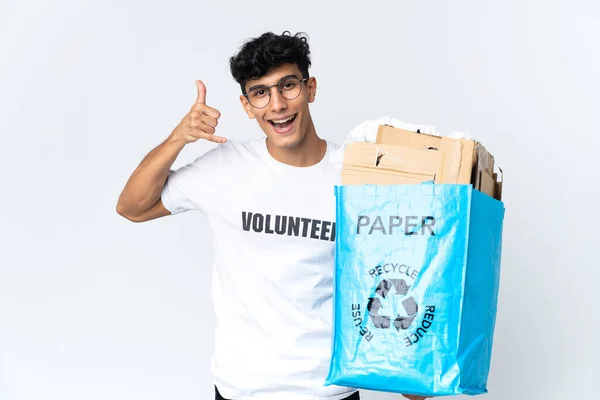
415, 288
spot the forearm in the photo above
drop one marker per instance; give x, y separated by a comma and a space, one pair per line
144, 187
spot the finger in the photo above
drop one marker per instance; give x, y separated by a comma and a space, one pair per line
206, 129
201, 124
196, 118
201, 99
212, 112
214, 138
210, 121
207, 133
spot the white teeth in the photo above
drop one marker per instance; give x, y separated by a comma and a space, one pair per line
283, 120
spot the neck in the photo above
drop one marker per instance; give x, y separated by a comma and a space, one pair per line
308, 152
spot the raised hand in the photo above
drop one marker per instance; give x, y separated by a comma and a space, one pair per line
200, 122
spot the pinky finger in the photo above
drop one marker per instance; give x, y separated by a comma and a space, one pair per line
216, 139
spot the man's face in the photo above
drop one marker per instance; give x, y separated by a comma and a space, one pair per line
285, 122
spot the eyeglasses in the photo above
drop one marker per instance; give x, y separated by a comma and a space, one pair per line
289, 87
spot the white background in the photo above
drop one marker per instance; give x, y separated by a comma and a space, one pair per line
93, 306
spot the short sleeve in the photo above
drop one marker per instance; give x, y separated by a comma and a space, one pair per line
193, 186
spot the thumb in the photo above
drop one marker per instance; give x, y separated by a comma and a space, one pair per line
201, 92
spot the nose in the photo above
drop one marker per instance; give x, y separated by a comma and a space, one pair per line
278, 102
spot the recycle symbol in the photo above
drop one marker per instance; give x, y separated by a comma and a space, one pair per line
405, 311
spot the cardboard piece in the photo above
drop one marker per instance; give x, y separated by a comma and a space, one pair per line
487, 184
403, 157
390, 164
499, 184
459, 154
485, 163
401, 137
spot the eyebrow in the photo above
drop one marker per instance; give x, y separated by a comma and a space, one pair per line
262, 86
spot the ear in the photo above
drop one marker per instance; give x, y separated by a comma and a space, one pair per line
247, 106
311, 85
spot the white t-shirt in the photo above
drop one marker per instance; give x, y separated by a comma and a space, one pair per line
274, 228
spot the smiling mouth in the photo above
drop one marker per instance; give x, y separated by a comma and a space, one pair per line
283, 124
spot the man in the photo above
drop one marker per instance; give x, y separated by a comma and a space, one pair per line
271, 205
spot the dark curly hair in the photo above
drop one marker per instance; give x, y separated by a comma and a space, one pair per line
260, 55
